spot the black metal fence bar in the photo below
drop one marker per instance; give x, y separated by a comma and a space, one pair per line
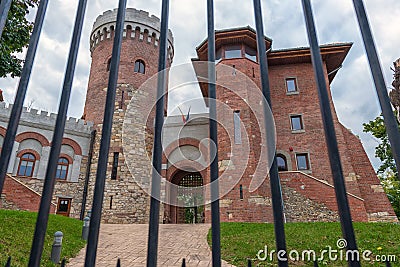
330, 135
4, 8
380, 86
8, 263
152, 245
21, 92
215, 216
276, 191
94, 227
48, 187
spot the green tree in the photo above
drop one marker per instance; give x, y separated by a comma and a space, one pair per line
15, 37
387, 172
383, 151
392, 189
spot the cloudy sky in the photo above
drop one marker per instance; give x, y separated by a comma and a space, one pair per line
352, 89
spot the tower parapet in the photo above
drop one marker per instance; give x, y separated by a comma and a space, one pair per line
137, 23
46, 120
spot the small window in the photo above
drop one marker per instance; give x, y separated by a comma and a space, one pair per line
26, 165
114, 170
236, 125
303, 162
296, 122
291, 85
108, 64
218, 56
234, 51
241, 192
62, 168
140, 66
282, 163
251, 54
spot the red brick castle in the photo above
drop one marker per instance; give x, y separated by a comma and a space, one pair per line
304, 169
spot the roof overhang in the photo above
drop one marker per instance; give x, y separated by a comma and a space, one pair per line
333, 56
242, 35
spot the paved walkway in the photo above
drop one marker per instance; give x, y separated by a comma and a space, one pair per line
129, 243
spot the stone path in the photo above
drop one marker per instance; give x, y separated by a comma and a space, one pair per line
129, 243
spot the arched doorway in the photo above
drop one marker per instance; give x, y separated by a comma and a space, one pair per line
193, 209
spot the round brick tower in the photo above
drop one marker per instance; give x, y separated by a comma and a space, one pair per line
124, 200
139, 49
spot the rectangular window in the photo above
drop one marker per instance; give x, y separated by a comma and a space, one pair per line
291, 85
218, 56
114, 170
236, 125
296, 122
303, 162
251, 54
241, 192
234, 51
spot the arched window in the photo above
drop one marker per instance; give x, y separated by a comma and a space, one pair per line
140, 67
62, 168
108, 64
282, 163
26, 165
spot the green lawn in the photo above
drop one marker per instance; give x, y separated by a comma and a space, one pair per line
16, 233
241, 241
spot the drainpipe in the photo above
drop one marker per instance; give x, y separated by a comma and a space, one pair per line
87, 174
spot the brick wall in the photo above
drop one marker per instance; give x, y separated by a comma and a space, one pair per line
21, 196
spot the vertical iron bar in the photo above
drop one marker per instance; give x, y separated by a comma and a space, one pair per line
4, 8
152, 246
8, 263
119, 262
87, 174
330, 135
276, 191
91, 250
48, 187
380, 85
21, 92
215, 216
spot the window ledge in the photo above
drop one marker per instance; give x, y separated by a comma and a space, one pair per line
293, 93
298, 131
306, 171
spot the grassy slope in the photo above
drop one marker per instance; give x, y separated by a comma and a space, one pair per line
16, 233
240, 241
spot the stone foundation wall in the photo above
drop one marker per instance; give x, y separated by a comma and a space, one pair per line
301, 209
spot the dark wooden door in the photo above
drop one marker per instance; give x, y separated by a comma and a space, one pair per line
64, 206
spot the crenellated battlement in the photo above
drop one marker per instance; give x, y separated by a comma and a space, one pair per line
38, 117
138, 25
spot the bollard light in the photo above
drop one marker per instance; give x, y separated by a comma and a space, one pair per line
58, 236
56, 249
86, 222
85, 228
